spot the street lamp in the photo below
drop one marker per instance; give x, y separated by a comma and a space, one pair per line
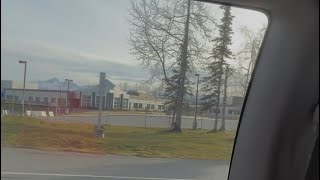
68, 80
24, 83
195, 113
57, 102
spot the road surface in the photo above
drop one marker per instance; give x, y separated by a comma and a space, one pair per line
151, 121
18, 164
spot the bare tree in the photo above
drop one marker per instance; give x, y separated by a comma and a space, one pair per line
228, 72
247, 56
164, 32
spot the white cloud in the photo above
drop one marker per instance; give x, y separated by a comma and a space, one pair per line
47, 61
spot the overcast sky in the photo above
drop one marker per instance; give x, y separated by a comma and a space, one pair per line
77, 39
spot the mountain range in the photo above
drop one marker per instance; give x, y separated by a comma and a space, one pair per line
54, 83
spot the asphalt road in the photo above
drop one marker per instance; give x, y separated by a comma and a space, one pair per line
151, 121
18, 164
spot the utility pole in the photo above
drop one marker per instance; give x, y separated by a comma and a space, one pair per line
24, 84
196, 111
57, 102
13, 102
98, 128
68, 80
145, 117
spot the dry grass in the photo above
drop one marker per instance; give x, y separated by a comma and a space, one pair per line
34, 133
156, 142
133, 141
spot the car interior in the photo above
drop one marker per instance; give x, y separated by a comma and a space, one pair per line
278, 135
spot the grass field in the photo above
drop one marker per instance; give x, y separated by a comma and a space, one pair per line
133, 141
34, 133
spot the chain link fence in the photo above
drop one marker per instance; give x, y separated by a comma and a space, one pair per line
146, 120
165, 121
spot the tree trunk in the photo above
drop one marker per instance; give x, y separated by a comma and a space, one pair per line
174, 114
218, 97
216, 111
223, 122
173, 118
184, 61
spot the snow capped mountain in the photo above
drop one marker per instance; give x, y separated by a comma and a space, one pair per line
54, 83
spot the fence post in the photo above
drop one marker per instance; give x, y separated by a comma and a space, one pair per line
169, 119
145, 119
107, 117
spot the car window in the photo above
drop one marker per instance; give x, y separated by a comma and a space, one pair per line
131, 89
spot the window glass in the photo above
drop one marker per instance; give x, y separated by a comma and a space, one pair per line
97, 101
173, 75
125, 103
135, 105
9, 97
86, 101
117, 102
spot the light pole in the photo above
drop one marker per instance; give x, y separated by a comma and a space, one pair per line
13, 102
57, 102
68, 80
195, 113
24, 83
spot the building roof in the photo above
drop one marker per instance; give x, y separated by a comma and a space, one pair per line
107, 82
39, 90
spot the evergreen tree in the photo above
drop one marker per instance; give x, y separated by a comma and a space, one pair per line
217, 67
172, 88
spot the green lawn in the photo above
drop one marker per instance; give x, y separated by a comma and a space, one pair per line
134, 141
